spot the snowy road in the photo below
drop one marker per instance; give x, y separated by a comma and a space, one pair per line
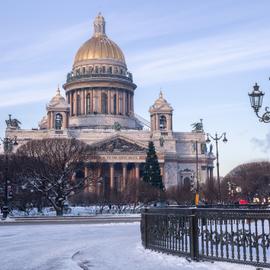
85, 246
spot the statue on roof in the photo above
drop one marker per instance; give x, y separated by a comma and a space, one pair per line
197, 126
13, 123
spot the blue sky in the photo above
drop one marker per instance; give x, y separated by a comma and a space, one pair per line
204, 55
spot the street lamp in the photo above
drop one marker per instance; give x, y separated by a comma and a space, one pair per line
8, 144
256, 100
217, 138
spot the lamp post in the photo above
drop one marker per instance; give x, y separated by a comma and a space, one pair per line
8, 145
197, 173
217, 138
256, 100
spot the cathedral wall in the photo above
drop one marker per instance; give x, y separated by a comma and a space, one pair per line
170, 174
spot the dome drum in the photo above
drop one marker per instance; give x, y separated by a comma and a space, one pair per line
102, 121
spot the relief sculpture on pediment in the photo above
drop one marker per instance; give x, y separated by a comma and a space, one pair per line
119, 145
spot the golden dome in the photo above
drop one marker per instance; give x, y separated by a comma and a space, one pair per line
99, 46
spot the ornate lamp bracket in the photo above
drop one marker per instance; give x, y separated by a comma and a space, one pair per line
265, 118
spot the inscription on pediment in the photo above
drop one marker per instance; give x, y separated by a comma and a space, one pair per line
119, 145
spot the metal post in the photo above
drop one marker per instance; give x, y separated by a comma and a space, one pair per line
218, 178
194, 237
216, 139
197, 175
5, 209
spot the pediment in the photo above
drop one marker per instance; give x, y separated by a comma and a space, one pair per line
119, 145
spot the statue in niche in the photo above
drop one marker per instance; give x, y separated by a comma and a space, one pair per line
161, 141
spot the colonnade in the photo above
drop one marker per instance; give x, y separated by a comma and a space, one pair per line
117, 176
105, 101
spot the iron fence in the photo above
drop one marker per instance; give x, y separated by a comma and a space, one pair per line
233, 235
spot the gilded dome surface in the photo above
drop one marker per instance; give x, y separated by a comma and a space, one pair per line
99, 46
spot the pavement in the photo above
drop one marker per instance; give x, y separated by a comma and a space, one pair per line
69, 220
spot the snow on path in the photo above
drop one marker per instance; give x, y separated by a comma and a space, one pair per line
87, 247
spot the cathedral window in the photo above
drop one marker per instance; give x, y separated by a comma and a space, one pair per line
162, 122
78, 104
103, 69
104, 103
88, 104
58, 121
83, 70
114, 104
96, 69
110, 70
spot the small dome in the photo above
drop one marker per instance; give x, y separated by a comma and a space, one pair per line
99, 46
58, 100
161, 104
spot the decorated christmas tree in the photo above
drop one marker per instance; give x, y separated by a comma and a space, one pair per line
151, 169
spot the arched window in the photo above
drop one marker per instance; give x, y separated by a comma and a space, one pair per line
104, 102
83, 70
78, 104
96, 69
110, 70
114, 104
103, 69
88, 104
162, 122
58, 121
186, 183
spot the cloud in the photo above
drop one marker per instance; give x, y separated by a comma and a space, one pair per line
204, 57
262, 144
29, 88
49, 42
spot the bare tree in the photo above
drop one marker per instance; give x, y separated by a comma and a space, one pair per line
210, 191
181, 194
55, 168
247, 181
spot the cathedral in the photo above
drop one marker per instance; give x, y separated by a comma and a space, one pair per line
98, 109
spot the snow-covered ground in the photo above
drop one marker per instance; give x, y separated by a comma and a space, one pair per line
100, 247
81, 211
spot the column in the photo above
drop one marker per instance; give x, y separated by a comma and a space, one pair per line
109, 101
169, 122
83, 102
52, 120
49, 120
64, 126
100, 101
75, 103
124, 174
132, 104
157, 122
137, 171
86, 173
124, 100
117, 102
112, 176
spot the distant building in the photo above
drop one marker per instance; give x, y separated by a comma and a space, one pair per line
99, 110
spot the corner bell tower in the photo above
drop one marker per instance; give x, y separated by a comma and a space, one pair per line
161, 115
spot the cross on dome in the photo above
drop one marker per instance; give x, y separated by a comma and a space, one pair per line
99, 25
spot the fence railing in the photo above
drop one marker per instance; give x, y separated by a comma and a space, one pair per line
234, 235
